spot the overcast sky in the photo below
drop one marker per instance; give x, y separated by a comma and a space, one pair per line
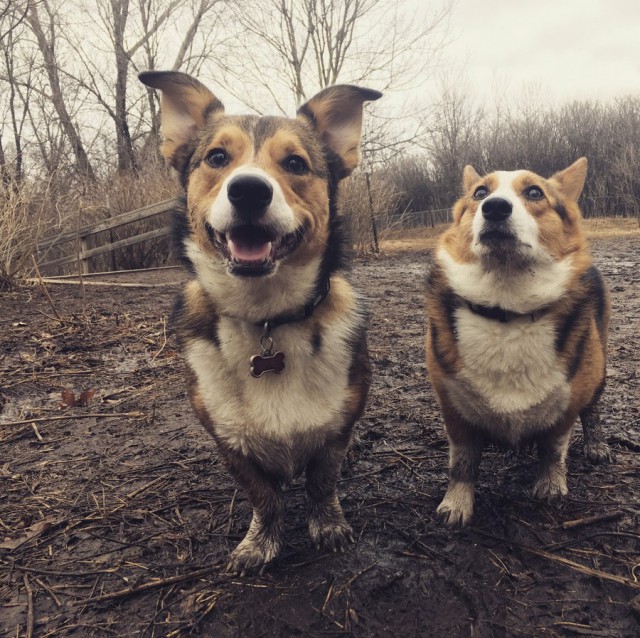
568, 48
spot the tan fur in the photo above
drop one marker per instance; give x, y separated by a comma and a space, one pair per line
560, 332
341, 128
186, 105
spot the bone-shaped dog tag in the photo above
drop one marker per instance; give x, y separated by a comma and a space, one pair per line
267, 362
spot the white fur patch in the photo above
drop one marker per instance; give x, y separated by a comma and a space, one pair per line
520, 222
309, 396
513, 383
519, 291
457, 505
279, 216
536, 281
253, 298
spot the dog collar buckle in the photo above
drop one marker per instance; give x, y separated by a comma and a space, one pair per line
267, 361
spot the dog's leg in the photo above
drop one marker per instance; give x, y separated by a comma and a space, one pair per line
327, 524
551, 483
594, 446
465, 452
264, 538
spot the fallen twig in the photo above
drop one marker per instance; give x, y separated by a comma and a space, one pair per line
588, 537
71, 282
30, 620
37, 432
130, 591
50, 591
45, 291
164, 333
589, 571
92, 415
50, 572
129, 271
590, 520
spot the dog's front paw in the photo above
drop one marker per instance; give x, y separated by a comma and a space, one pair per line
329, 529
456, 508
336, 535
550, 487
253, 554
597, 452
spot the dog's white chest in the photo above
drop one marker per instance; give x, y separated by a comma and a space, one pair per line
512, 381
308, 396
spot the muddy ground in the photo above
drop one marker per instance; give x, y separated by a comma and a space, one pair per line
116, 517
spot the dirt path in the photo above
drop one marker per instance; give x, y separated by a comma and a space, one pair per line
120, 526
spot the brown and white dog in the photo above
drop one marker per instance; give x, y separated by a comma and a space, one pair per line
272, 332
517, 328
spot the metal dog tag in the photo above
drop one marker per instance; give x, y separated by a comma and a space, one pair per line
267, 362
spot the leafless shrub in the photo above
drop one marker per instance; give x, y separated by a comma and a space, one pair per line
28, 211
369, 205
536, 137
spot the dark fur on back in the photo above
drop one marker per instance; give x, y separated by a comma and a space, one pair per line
180, 232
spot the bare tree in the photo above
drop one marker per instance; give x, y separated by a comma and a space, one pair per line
128, 31
292, 48
203, 19
47, 38
16, 96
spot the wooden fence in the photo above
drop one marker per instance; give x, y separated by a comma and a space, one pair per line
78, 240
82, 253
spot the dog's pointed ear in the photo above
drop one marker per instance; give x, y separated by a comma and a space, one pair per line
184, 108
469, 177
570, 181
336, 113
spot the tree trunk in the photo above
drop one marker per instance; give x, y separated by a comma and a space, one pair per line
124, 144
47, 49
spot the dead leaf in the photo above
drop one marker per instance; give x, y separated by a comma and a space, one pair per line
85, 397
68, 399
27, 534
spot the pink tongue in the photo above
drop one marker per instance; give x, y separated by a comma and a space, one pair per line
244, 251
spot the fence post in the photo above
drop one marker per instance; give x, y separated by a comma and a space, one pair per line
84, 261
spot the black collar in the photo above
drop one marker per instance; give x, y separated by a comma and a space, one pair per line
501, 314
321, 292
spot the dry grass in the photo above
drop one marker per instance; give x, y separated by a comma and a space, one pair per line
416, 239
27, 212
408, 240
360, 202
612, 227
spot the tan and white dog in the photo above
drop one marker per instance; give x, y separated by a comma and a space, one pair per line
517, 328
272, 332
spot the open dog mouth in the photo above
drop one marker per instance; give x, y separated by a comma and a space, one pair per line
252, 250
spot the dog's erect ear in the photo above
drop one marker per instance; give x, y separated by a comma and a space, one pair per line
570, 181
186, 103
336, 113
469, 177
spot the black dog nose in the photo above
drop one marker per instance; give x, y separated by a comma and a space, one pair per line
250, 194
496, 209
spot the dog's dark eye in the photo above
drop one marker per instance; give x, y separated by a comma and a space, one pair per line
533, 193
295, 164
217, 158
480, 193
